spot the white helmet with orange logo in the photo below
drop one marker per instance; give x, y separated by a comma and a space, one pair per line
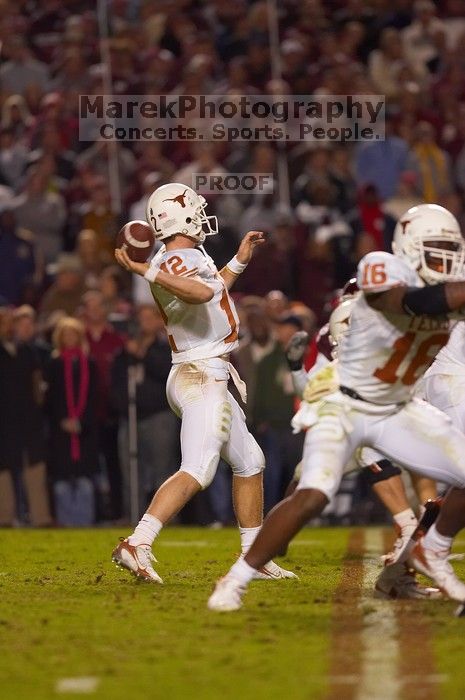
175, 208
429, 239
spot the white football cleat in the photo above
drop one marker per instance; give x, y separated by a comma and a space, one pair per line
227, 595
272, 571
398, 581
436, 565
137, 559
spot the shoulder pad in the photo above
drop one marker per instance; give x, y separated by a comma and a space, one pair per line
380, 271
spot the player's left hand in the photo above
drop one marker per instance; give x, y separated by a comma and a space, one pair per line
248, 244
295, 350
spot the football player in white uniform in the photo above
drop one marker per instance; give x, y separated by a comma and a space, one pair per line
398, 324
444, 383
425, 489
397, 580
202, 326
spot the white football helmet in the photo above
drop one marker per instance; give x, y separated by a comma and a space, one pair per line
429, 239
176, 208
339, 322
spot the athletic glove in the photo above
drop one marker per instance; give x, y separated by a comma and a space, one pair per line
295, 350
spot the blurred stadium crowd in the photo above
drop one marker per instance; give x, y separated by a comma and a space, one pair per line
73, 326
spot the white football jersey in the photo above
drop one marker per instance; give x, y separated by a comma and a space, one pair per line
451, 359
323, 380
196, 331
382, 355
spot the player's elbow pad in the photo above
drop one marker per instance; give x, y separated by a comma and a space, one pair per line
426, 301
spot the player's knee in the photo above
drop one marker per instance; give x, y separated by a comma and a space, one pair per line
381, 471
257, 459
209, 473
254, 463
203, 473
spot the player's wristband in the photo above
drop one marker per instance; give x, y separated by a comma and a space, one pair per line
295, 365
235, 266
152, 273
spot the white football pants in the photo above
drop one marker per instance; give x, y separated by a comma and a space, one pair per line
213, 423
418, 437
446, 392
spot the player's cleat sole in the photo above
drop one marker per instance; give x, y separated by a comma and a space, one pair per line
137, 559
398, 582
417, 593
227, 595
460, 611
436, 565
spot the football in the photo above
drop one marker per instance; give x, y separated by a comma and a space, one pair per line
138, 239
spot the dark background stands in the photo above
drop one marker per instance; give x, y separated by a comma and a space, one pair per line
55, 197
148, 355
22, 439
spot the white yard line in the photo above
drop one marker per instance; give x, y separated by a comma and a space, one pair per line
380, 647
182, 543
78, 685
306, 543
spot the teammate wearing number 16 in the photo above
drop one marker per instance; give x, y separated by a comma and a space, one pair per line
398, 323
202, 326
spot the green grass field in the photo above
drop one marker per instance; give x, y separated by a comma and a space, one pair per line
67, 612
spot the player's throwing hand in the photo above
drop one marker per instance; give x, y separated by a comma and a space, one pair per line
248, 244
125, 261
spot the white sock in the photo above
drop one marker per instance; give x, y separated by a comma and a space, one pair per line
435, 541
148, 528
248, 535
407, 521
242, 571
